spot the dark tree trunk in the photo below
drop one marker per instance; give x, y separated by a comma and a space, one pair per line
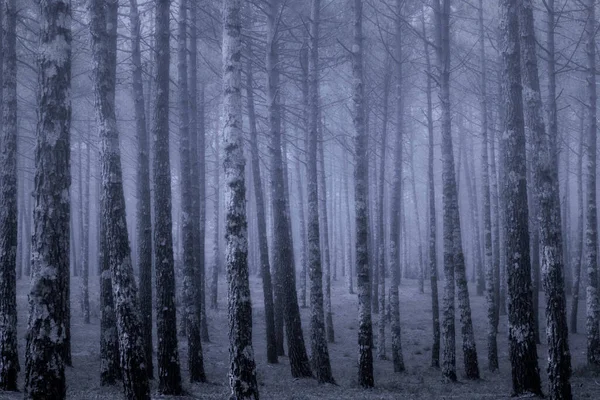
190, 261
263, 246
283, 255
522, 348
242, 370
45, 351
143, 210
9, 358
361, 176
103, 21
169, 373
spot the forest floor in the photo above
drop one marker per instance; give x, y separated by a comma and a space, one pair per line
420, 381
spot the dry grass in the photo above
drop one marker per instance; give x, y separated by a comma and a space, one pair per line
418, 382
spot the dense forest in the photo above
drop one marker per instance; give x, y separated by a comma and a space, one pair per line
317, 199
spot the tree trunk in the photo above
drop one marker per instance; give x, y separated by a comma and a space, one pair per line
217, 232
522, 348
9, 364
190, 261
283, 257
169, 373
143, 210
263, 246
591, 231
103, 22
361, 190
320, 353
242, 371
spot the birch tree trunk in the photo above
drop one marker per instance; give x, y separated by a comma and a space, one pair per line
169, 373
103, 22
9, 358
45, 355
263, 246
591, 231
361, 189
242, 369
283, 257
522, 348
320, 353
143, 210
188, 224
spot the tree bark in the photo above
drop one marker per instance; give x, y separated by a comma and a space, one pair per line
242, 370
9, 358
522, 348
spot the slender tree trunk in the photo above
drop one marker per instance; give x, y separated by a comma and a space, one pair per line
263, 246
490, 283
242, 371
303, 59
361, 174
85, 226
522, 348
9, 358
320, 353
432, 230
190, 261
420, 271
349, 241
283, 257
217, 231
169, 373
103, 22
387, 77
580, 233
143, 210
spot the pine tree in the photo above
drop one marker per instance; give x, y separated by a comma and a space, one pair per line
44, 359
522, 348
242, 371
103, 21
143, 210
9, 358
365, 328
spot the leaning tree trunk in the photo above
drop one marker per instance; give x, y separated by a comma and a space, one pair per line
131, 341
263, 246
143, 210
190, 261
361, 190
522, 348
320, 352
547, 198
283, 256
9, 358
591, 231
44, 359
169, 373
242, 371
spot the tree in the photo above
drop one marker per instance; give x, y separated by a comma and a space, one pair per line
242, 371
103, 21
44, 359
283, 256
546, 195
263, 246
143, 211
190, 289
591, 230
320, 352
522, 348
396, 211
9, 358
361, 193
169, 373
580, 227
